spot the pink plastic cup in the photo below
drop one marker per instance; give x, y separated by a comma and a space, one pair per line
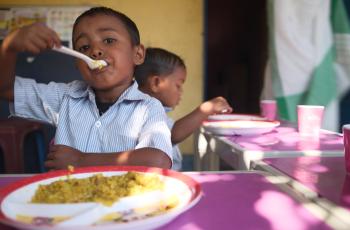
346, 136
268, 109
344, 199
310, 119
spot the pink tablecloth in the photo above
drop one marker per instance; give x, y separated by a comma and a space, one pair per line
286, 138
238, 201
324, 175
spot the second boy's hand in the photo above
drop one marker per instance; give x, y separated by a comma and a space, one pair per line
224, 111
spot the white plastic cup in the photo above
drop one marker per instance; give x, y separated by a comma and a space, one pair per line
310, 119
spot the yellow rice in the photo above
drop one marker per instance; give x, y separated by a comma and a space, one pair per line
97, 188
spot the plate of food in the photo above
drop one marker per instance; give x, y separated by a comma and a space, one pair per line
239, 127
111, 197
235, 116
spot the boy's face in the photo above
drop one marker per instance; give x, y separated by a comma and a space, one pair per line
170, 87
105, 37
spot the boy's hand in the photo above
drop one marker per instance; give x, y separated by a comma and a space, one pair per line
60, 156
33, 38
216, 105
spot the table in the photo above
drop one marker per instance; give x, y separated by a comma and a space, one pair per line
244, 200
323, 180
284, 141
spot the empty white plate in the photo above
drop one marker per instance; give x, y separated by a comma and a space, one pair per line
240, 127
232, 116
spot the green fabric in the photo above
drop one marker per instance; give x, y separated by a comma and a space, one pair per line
339, 18
322, 89
275, 76
287, 107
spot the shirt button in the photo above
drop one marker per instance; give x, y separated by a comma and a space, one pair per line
98, 124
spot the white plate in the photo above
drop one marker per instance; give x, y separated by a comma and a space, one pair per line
240, 127
228, 117
14, 200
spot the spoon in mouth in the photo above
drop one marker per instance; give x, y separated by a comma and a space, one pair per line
93, 64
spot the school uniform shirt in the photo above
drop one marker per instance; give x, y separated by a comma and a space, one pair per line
177, 157
134, 121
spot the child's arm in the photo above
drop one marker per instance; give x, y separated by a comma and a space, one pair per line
60, 156
185, 126
34, 38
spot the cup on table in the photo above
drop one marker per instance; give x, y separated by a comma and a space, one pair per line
269, 109
310, 119
345, 194
346, 137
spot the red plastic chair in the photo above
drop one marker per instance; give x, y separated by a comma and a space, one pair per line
13, 132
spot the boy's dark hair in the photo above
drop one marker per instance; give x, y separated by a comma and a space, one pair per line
129, 24
157, 62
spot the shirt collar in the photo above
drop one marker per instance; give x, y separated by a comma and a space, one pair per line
133, 93
80, 89
168, 109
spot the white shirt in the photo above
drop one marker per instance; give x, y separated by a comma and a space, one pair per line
135, 121
177, 156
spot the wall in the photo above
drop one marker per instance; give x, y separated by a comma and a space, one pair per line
176, 25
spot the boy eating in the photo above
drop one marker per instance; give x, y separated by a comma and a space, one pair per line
103, 120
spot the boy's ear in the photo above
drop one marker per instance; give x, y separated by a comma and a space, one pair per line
154, 82
139, 54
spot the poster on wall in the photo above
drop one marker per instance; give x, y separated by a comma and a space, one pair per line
4, 22
60, 19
